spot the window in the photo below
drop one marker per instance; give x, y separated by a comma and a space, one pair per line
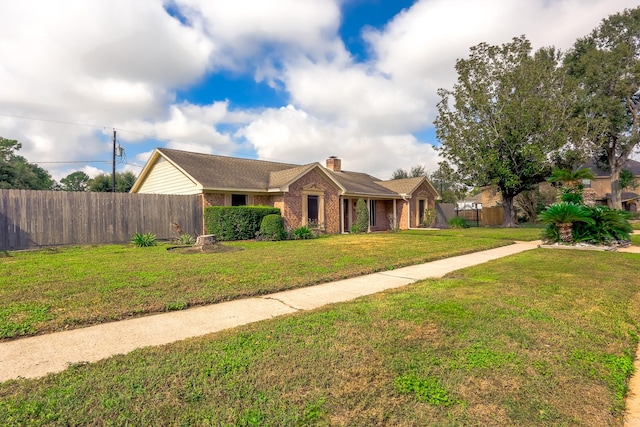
313, 209
420, 211
372, 213
586, 183
238, 200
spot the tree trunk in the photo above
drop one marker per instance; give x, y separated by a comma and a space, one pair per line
565, 232
616, 191
509, 219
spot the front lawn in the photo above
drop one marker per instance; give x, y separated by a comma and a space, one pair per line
61, 288
540, 338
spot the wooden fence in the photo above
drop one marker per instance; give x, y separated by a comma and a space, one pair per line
31, 219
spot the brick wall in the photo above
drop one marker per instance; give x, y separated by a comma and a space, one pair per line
292, 202
213, 199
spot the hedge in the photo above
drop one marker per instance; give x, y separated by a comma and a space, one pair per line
272, 228
235, 222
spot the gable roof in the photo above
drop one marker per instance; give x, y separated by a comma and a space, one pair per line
213, 172
630, 164
361, 184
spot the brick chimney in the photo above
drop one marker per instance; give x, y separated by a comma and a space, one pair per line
334, 164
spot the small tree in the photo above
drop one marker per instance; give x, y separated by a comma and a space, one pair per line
102, 183
561, 216
361, 224
76, 181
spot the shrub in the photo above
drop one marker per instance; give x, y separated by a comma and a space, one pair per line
236, 222
428, 217
361, 224
560, 218
272, 227
608, 225
186, 239
458, 222
303, 233
144, 240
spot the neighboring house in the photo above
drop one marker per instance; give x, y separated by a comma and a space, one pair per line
601, 185
305, 194
599, 188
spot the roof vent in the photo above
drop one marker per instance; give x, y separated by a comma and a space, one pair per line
334, 164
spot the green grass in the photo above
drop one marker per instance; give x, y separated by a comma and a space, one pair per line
61, 288
540, 338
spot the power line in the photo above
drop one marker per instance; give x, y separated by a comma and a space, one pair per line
104, 127
52, 121
74, 161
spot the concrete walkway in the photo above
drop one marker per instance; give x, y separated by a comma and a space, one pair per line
37, 356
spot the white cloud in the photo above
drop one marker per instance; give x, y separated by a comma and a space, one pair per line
120, 63
292, 135
419, 47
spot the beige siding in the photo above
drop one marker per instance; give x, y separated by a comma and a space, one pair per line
164, 178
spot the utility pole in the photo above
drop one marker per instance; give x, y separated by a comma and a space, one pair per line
113, 180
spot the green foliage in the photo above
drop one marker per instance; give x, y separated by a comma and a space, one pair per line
186, 239
76, 181
415, 172
628, 180
236, 222
427, 390
17, 173
272, 227
428, 217
571, 183
504, 118
458, 222
144, 240
361, 224
604, 67
607, 225
565, 212
447, 182
103, 183
303, 233
597, 224
572, 195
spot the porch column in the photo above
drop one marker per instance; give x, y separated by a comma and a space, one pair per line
341, 202
395, 214
369, 211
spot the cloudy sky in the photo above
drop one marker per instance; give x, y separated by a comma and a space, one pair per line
282, 80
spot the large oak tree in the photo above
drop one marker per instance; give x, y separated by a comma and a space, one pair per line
504, 118
605, 66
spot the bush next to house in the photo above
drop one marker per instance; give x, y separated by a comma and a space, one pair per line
361, 224
272, 228
303, 233
236, 222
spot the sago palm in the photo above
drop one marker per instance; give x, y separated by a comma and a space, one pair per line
562, 215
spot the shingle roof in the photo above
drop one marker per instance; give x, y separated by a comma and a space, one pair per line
358, 183
402, 186
631, 165
226, 172
220, 172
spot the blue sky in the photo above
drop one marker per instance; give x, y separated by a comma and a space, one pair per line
285, 80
